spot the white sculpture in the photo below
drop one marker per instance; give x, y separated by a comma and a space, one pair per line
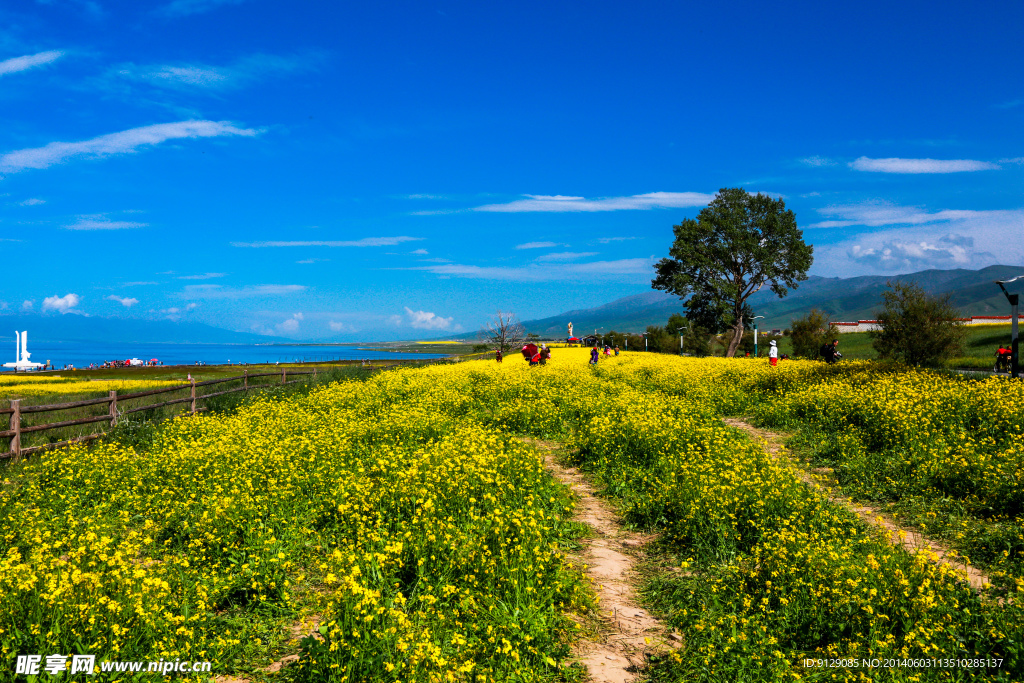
21, 354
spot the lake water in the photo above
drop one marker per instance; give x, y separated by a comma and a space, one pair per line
81, 354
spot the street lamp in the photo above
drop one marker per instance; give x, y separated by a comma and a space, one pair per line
644, 335
1014, 300
754, 319
680, 331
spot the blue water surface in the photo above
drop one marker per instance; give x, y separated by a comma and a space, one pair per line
81, 354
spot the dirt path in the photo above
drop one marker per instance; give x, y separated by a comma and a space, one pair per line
910, 539
631, 633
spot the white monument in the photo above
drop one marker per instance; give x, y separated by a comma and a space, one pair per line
21, 354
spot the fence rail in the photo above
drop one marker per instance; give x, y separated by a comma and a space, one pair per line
16, 410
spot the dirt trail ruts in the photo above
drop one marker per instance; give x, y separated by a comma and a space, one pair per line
306, 627
910, 539
631, 632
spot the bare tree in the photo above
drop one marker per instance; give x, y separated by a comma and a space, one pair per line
504, 331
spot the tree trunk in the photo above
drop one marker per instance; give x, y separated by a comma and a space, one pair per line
737, 337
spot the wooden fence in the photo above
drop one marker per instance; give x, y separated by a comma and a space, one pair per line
16, 410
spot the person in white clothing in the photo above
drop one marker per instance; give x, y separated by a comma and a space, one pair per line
773, 353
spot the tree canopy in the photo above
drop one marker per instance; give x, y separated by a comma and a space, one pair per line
917, 328
738, 244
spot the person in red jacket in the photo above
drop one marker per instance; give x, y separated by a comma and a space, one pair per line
1003, 359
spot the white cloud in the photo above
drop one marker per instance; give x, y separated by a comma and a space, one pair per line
204, 276
950, 251
181, 8
1014, 160
63, 304
32, 202
103, 224
421, 252
606, 240
127, 302
27, 304
167, 75
221, 292
9, 66
817, 161
425, 196
191, 306
425, 320
554, 197
313, 260
636, 269
566, 255
907, 238
540, 245
138, 283
896, 165
365, 242
206, 77
336, 326
124, 142
879, 213
290, 325
562, 204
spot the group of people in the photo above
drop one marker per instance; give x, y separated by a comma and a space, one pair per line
829, 352
535, 355
595, 355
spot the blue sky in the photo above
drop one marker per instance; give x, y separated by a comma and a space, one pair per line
364, 171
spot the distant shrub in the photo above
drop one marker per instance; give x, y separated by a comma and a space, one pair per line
809, 334
917, 328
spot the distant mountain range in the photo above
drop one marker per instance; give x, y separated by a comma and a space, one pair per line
71, 327
844, 299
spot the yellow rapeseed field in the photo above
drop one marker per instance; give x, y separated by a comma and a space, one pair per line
21, 385
403, 513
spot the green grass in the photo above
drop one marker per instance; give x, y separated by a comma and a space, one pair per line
979, 346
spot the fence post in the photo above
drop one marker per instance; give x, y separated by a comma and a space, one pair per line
16, 427
284, 372
247, 378
113, 408
193, 397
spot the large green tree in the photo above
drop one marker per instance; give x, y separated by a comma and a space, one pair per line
739, 243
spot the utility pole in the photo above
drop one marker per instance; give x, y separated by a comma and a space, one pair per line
1014, 300
754, 319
